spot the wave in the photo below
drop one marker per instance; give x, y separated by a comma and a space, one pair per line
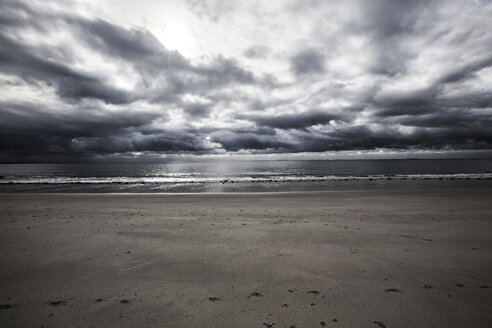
193, 179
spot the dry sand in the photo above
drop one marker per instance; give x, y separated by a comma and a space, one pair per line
328, 259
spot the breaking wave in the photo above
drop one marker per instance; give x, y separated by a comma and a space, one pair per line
202, 179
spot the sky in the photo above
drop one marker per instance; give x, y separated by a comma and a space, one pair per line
148, 79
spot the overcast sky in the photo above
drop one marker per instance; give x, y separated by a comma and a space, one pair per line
119, 78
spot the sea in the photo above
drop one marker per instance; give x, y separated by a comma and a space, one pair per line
246, 176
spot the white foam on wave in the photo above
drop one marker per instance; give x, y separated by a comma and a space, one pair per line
186, 178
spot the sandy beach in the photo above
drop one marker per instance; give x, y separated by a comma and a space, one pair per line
321, 259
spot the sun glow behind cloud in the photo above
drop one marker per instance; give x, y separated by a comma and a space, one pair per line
214, 77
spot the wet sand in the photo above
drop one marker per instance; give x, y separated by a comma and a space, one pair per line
327, 259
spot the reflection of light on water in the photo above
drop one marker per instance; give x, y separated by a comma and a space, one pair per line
193, 178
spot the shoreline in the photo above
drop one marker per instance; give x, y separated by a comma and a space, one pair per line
302, 192
239, 188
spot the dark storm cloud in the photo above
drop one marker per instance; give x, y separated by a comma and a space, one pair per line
405, 103
357, 138
387, 18
466, 71
18, 14
29, 63
294, 121
25, 129
450, 118
29, 129
384, 97
137, 46
83, 120
197, 109
392, 25
166, 141
16, 59
234, 141
145, 52
389, 24
152, 59
223, 71
433, 103
466, 100
131, 44
308, 61
363, 137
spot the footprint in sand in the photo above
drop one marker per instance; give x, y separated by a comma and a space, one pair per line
7, 306
314, 292
392, 290
255, 294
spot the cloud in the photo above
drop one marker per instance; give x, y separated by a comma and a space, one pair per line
136, 46
223, 71
405, 102
466, 71
256, 52
163, 142
25, 127
211, 9
234, 141
294, 121
81, 80
15, 59
308, 61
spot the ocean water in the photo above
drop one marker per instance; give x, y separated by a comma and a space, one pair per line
247, 176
